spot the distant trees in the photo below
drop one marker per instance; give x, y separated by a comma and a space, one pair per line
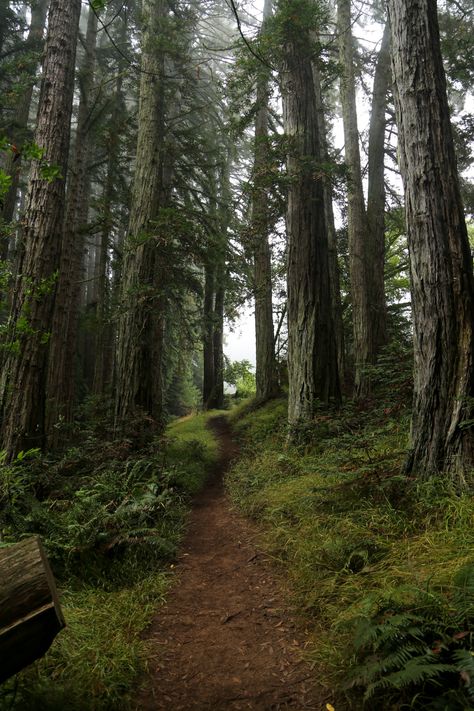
365, 225
17, 127
440, 259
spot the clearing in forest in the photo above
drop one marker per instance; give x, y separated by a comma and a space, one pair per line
226, 639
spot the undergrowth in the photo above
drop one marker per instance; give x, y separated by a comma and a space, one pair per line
111, 520
382, 565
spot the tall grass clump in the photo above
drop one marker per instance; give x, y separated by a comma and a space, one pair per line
382, 566
111, 519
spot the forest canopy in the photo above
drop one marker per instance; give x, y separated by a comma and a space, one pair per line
168, 164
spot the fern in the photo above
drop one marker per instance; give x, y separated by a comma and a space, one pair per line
414, 672
393, 629
381, 665
423, 657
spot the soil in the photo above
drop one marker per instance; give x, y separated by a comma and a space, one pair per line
227, 638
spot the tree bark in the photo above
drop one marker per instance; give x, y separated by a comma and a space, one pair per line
266, 371
376, 197
367, 287
32, 318
62, 358
331, 228
217, 398
440, 261
312, 349
208, 335
140, 331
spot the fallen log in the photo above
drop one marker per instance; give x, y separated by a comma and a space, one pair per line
30, 614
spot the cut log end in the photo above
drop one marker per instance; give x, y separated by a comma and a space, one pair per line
30, 613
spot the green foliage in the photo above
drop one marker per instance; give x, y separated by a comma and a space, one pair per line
5, 182
111, 521
98, 5
191, 450
295, 19
50, 172
380, 564
240, 373
423, 657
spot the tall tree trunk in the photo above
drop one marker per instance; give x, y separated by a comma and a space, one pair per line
440, 260
208, 335
62, 359
375, 258
140, 331
221, 215
102, 340
364, 288
32, 319
266, 371
20, 125
312, 349
217, 400
331, 228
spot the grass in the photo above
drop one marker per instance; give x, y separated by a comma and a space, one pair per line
96, 661
111, 532
191, 449
354, 538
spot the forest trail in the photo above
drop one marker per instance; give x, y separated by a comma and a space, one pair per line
226, 638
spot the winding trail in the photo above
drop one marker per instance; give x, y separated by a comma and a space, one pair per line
226, 638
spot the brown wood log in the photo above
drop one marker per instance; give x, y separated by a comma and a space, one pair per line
30, 613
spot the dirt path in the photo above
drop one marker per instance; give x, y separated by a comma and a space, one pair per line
225, 640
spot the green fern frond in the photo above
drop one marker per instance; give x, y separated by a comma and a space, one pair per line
416, 672
395, 628
366, 673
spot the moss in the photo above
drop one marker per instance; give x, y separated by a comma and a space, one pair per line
352, 535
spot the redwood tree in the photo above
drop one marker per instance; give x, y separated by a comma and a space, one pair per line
140, 329
440, 260
19, 126
31, 319
266, 371
312, 346
62, 358
365, 227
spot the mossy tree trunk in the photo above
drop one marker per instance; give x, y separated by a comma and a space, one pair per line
63, 349
440, 260
140, 330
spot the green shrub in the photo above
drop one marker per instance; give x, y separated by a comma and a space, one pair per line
111, 520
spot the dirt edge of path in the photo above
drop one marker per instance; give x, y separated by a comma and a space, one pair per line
227, 638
